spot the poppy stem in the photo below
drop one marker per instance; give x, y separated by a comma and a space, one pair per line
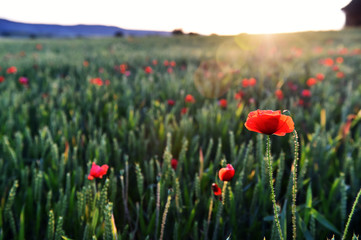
294, 188
273, 196
224, 191
351, 214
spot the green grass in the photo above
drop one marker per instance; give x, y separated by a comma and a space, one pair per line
52, 131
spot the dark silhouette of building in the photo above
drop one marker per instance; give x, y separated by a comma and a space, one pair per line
353, 13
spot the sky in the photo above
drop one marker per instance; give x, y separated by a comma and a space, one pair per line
227, 17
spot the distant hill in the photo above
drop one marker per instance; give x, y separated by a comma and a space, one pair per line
18, 29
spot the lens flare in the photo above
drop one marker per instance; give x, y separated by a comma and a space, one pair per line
212, 79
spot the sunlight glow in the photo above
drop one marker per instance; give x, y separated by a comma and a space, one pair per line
205, 17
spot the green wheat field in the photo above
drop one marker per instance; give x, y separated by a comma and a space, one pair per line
123, 102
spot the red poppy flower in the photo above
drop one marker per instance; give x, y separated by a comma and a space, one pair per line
292, 86
327, 62
269, 122
343, 51
335, 68
11, 70
227, 173
154, 62
184, 111
123, 68
85, 63
216, 190
320, 76
356, 51
107, 82
245, 82
174, 163
279, 94
340, 75
189, 99
23, 80
2, 78
39, 46
172, 63
347, 126
222, 103
252, 82
166, 63
170, 70
339, 60
97, 171
239, 95
311, 81
306, 93
170, 102
96, 81
301, 102
148, 70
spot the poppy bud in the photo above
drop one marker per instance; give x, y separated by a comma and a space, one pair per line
216, 190
174, 163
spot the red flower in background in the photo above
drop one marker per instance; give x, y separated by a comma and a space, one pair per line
170, 102
123, 68
148, 70
292, 86
320, 76
23, 80
154, 62
301, 102
306, 93
227, 173
252, 82
174, 163
189, 99
11, 70
85, 63
245, 82
327, 62
184, 111
340, 75
222, 103
279, 94
343, 51
39, 47
2, 78
166, 63
335, 68
339, 60
216, 190
269, 122
96, 81
97, 171
170, 70
107, 82
239, 95
311, 81
172, 63
356, 51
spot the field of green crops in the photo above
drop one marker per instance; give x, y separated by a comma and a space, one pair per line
166, 114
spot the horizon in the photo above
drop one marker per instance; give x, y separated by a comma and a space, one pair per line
257, 17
